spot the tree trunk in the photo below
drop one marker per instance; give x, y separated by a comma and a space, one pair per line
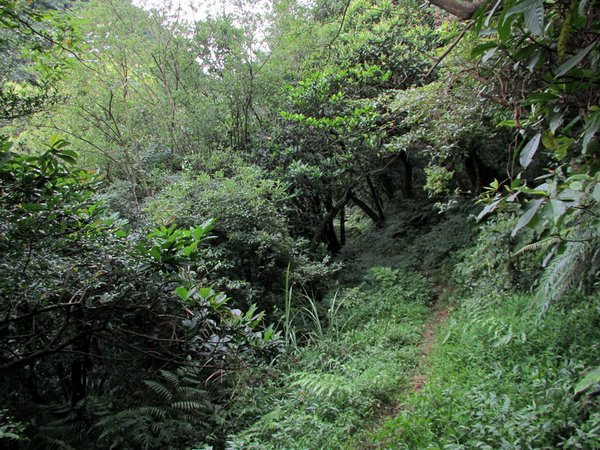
479, 173
387, 184
327, 219
333, 244
408, 175
376, 198
343, 226
367, 210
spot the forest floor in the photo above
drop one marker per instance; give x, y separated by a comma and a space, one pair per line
373, 353
373, 371
440, 312
440, 315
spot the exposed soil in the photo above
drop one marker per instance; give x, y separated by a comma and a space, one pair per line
439, 317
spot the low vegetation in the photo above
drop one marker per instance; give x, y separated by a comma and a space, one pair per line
299, 224
498, 378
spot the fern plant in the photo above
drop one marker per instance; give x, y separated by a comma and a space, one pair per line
578, 263
321, 384
179, 413
9, 428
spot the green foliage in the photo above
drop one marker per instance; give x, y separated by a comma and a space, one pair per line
556, 123
576, 262
493, 263
437, 180
591, 378
104, 307
171, 246
36, 45
444, 123
9, 429
417, 238
392, 35
330, 390
181, 411
321, 385
252, 244
290, 135
496, 380
330, 138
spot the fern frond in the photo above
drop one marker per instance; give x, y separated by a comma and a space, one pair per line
159, 389
153, 411
192, 392
321, 384
187, 405
567, 269
542, 244
476, 308
157, 428
146, 441
171, 377
57, 443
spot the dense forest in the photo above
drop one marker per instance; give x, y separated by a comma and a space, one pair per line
293, 224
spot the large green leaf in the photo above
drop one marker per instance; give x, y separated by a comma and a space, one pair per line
489, 209
559, 208
591, 127
590, 379
529, 150
182, 293
532, 209
534, 18
482, 48
574, 60
521, 8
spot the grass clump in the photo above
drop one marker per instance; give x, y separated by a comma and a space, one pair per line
325, 393
499, 380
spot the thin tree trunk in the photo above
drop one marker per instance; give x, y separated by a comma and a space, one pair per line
333, 244
376, 198
388, 185
327, 219
408, 175
367, 210
343, 226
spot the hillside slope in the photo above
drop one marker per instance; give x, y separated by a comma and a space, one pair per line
384, 367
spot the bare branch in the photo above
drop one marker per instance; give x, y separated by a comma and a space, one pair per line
458, 9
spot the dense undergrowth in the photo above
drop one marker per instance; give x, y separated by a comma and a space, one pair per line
324, 393
496, 377
497, 380
352, 354
238, 230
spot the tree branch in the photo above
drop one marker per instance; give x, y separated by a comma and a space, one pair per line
450, 48
457, 8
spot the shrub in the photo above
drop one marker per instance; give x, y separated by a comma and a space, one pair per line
89, 311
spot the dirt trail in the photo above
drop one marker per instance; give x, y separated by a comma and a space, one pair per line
418, 381
440, 314
428, 339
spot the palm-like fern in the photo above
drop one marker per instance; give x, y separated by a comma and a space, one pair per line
179, 407
321, 384
579, 260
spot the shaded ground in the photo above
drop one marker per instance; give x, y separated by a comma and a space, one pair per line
428, 338
439, 317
